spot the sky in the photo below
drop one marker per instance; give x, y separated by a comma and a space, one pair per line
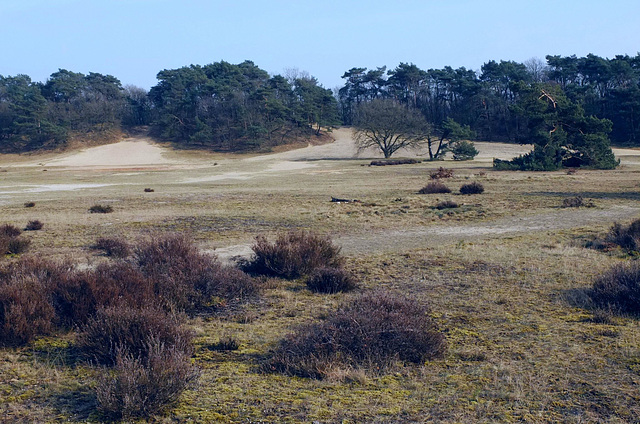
135, 39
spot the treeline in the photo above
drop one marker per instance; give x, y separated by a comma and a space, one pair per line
227, 107
220, 106
490, 101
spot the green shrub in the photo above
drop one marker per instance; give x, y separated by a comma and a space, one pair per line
372, 331
464, 150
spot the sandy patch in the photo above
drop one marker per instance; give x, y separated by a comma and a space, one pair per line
43, 188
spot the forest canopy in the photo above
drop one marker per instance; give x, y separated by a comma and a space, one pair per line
239, 107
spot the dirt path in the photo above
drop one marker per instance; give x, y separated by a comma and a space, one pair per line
398, 240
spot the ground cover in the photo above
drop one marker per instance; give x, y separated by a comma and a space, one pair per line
504, 274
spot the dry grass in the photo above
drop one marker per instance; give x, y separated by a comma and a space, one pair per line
524, 345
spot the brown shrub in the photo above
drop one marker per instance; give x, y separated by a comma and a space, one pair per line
627, 237
116, 247
29, 204
330, 280
434, 187
141, 387
18, 245
441, 173
446, 204
123, 330
618, 289
472, 188
25, 307
149, 190
577, 202
34, 225
101, 209
293, 254
10, 231
372, 331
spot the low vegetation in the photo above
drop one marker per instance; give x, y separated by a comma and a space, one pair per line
577, 202
434, 187
373, 331
34, 225
618, 289
626, 237
472, 188
441, 173
101, 209
330, 280
293, 254
116, 247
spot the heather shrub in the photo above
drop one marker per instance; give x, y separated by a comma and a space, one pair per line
101, 209
293, 254
330, 280
29, 204
472, 188
373, 331
446, 204
140, 387
618, 289
576, 202
224, 281
441, 173
434, 187
34, 225
123, 330
148, 190
25, 309
10, 231
17, 245
116, 247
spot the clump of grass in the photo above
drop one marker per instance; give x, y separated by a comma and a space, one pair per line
441, 173
34, 225
293, 255
577, 202
618, 289
472, 188
29, 204
446, 204
101, 209
123, 330
226, 343
434, 187
116, 247
139, 387
373, 331
330, 280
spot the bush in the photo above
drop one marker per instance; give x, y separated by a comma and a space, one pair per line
25, 309
373, 331
618, 289
441, 173
330, 280
123, 330
149, 190
29, 204
464, 150
18, 245
446, 204
293, 255
115, 247
101, 209
10, 231
577, 202
472, 188
34, 226
387, 162
141, 387
627, 237
434, 187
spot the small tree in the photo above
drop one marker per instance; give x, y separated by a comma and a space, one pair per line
449, 135
388, 126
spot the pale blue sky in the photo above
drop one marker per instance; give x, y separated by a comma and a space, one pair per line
135, 39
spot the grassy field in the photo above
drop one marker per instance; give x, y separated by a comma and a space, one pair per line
505, 276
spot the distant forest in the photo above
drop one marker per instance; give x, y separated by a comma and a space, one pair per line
227, 107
